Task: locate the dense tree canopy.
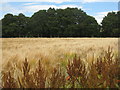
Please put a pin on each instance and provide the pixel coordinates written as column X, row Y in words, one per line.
column 14, row 26
column 69, row 22
column 110, row 24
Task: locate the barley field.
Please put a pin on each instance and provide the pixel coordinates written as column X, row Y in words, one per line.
column 53, row 48
column 59, row 62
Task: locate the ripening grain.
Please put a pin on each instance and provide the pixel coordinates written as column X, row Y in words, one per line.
column 24, row 58
column 53, row 48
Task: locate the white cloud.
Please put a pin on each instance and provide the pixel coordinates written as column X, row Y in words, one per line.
column 31, row 8
column 35, row 8
column 60, row 1
column 9, row 9
column 100, row 0
column 56, row 1
column 90, row 0
column 99, row 16
column 30, row 3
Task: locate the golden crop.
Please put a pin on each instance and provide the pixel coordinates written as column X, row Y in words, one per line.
column 49, row 62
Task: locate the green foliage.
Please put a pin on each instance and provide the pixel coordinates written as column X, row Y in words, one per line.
column 69, row 22
column 110, row 25
column 14, row 26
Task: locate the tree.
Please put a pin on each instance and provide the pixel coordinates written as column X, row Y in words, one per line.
column 69, row 22
column 7, row 25
column 110, row 25
column 13, row 26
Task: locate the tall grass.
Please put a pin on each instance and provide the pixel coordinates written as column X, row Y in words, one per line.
column 102, row 72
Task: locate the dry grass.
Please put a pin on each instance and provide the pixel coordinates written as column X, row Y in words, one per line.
column 48, row 62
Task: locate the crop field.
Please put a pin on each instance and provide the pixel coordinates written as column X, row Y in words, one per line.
column 60, row 63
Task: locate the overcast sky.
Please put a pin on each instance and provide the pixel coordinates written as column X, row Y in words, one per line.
column 96, row 8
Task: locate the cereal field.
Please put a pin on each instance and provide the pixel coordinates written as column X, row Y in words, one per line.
column 50, row 62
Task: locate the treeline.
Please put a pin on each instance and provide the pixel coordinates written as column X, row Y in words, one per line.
column 69, row 22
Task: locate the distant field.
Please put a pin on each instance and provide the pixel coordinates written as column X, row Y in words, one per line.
column 53, row 48
column 56, row 51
